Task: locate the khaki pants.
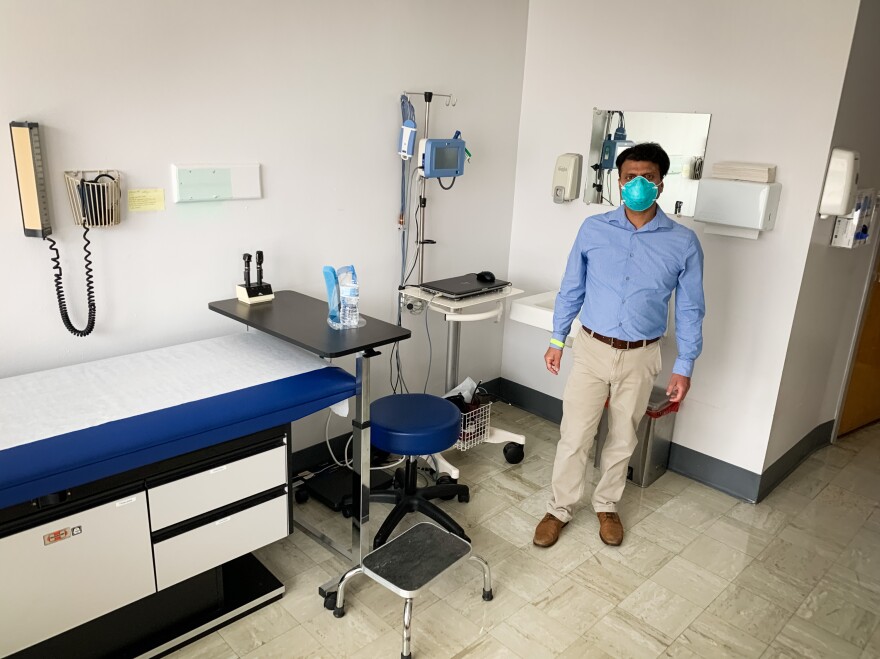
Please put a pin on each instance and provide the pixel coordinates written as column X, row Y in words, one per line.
column 600, row 372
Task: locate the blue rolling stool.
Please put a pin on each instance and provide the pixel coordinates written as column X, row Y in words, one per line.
column 412, row 425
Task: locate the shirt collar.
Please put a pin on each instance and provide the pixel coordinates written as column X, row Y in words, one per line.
column 661, row 220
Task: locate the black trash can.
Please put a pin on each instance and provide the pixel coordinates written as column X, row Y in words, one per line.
column 649, row 460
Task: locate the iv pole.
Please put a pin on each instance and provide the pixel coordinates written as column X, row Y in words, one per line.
column 453, row 335
column 423, row 202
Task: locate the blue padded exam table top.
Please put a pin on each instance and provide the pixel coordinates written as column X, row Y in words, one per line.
column 74, row 425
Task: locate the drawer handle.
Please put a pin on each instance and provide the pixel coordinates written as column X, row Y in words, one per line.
column 222, row 521
column 125, row 502
column 217, row 470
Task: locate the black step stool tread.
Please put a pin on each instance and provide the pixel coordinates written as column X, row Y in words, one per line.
column 416, row 557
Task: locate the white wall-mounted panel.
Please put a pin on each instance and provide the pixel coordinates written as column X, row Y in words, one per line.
column 215, row 182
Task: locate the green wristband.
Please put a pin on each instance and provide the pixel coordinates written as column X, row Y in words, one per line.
column 557, row 343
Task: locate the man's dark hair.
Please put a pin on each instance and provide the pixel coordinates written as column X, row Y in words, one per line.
column 645, row 152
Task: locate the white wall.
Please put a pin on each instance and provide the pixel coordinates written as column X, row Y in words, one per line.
column 770, row 74
column 834, row 279
column 308, row 89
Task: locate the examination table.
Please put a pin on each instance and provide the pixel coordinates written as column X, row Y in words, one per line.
column 133, row 489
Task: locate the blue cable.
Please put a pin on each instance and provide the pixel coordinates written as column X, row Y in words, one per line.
column 407, row 112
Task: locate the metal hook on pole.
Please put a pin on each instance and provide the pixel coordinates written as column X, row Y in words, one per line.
column 450, row 98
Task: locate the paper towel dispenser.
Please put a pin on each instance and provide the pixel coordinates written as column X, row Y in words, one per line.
column 737, row 208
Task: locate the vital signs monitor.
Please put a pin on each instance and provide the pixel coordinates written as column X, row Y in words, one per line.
column 441, row 158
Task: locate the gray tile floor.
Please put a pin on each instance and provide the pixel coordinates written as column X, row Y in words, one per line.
column 699, row 574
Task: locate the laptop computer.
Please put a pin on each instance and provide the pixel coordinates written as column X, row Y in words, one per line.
column 457, row 288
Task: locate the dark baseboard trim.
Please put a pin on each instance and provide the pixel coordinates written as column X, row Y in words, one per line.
column 777, row 472
column 530, row 400
column 730, row 479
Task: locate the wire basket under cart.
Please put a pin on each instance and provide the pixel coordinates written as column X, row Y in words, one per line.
column 474, row 426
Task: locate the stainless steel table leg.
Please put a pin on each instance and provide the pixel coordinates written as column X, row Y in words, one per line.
column 360, row 519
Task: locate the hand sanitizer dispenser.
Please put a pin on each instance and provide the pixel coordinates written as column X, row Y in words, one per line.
column 839, row 191
column 567, row 177
column 737, row 208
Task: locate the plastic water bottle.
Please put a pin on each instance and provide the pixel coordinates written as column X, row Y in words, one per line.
column 349, row 293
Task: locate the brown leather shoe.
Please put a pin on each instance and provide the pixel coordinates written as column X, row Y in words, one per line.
column 610, row 529
column 547, row 532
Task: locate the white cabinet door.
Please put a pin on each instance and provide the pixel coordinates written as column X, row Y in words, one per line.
column 67, row 572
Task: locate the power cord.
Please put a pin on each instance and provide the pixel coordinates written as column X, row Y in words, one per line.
column 440, row 183
column 90, row 285
column 348, row 462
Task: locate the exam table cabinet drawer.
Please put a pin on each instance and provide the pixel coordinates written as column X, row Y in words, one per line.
column 63, row 573
column 214, row 488
column 205, row 547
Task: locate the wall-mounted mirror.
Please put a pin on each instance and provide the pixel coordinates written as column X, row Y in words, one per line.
column 682, row 135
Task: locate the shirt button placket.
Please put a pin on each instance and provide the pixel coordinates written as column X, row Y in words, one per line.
column 626, row 279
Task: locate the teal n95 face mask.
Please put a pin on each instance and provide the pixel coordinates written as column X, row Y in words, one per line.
column 638, row 194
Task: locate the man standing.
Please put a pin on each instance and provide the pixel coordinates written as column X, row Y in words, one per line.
column 621, row 272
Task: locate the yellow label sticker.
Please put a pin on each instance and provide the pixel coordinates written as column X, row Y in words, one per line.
column 147, row 199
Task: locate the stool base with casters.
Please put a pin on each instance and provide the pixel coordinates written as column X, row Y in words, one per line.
column 411, row 562
column 411, row 499
column 412, row 425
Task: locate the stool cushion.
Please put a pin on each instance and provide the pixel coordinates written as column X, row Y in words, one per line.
column 414, row 424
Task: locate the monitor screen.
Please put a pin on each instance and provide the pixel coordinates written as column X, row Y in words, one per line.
column 446, row 157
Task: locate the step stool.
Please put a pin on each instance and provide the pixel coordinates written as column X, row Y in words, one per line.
column 410, row 562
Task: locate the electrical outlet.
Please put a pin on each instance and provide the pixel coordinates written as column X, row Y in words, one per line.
column 413, row 305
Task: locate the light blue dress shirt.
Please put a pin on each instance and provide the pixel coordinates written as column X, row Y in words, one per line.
column 620, row 280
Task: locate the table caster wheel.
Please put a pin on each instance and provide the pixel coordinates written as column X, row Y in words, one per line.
column 446, row 479
column 514, row 453
column 330, row 602
column 301, row 496
column 346, row 511
column 464, row 498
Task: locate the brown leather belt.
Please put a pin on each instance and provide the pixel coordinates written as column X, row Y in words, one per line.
column 620, row 344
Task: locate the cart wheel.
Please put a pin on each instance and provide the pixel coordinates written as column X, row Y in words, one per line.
column 346, row 511
column 514, row 453
column 330, row 601
column 464, row 498
column 301, row 495
column 446, row 479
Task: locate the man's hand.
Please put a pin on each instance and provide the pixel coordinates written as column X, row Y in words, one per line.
column 552, row 358
column 677, row 388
